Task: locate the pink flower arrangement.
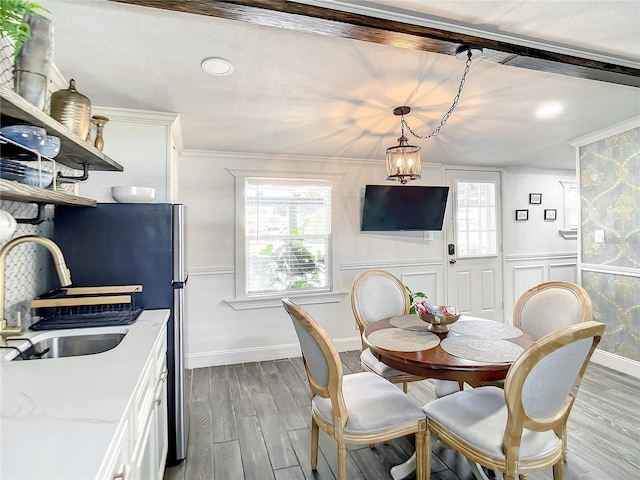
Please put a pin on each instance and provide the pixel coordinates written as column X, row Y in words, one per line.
column 425, row 308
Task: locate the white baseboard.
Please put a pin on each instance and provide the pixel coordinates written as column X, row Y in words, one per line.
column 259, row 354
column 616, row 362
column 276, row 352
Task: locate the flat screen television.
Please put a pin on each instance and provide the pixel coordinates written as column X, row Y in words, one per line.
column 388, row 208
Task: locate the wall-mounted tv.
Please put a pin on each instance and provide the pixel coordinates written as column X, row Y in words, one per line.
column 388, row 208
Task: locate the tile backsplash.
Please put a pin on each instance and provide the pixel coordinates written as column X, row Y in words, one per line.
column 28, row 266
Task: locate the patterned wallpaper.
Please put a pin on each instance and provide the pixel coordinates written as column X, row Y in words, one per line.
column 610, row 203
column 616, row 303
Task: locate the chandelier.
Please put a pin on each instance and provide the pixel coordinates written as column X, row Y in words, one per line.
column 403, row 160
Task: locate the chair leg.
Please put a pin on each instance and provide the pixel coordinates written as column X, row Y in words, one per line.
column 564, row 442
column 342, row 461
column 420, row 453
column 426, row 474
column 315, row 429
column 511, row 470
column 558, row 470
column 405, row 387
column 561, row 432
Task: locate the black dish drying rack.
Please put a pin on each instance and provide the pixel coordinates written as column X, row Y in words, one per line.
column 84, row 307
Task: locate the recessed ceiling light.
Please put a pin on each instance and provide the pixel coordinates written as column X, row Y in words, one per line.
column 217, row 66
column 549, row 110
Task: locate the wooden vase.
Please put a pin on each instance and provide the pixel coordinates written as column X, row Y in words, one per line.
column 100, row 121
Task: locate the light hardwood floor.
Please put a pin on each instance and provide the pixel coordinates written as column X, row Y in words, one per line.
column 251, row 422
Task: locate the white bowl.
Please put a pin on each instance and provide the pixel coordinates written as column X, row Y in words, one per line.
column 133, row 194
column 8, row 225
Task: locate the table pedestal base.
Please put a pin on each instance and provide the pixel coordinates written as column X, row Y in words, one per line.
column 407, row 468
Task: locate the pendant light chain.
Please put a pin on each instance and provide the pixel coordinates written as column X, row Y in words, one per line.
column 446, row 116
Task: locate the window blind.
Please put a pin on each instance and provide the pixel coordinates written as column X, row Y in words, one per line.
column 288, row 235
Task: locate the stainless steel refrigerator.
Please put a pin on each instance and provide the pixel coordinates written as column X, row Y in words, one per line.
column 137, row 243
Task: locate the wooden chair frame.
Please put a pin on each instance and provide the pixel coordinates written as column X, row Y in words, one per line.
column 518, row 419
column 580, row 293
column 333, row 391
column 401, row 377
column 586, row 315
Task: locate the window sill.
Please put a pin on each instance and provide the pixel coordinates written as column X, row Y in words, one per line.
column 271, row 301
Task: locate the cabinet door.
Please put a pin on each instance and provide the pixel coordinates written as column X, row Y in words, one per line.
column 116, row 465
column 161, row 425
column 143, row 461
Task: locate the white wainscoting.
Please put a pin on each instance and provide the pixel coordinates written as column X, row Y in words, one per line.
column 523, row 271
column 220, row 335
column 430, row 283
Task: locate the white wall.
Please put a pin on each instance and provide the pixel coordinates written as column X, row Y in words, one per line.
column 216, row 332
column 219, row 334
column 534, row 250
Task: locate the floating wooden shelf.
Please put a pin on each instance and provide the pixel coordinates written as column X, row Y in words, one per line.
column 18, row 192
column 74, row 151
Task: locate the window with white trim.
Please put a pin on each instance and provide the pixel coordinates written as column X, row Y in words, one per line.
column 287, row 236
column 571, row 206
column 571, row 211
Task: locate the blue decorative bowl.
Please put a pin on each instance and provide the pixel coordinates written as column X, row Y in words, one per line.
column 50, row 146
column 27, row 135
column 31, row 178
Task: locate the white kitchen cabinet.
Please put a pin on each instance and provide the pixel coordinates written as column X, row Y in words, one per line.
column 140, row 451
column 147, row 144
column 92, row 403
column 117, row 467
column 142, row 460
column 149, row 452
column 161, row 424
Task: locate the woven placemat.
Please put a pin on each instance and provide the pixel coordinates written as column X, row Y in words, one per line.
column 409, row 322
column 481, row 350
column 403, row 340
column 487, row 329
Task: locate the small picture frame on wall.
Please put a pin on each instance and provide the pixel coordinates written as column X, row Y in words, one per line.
column 535, row 199
column 550, row 214
column 522, row 215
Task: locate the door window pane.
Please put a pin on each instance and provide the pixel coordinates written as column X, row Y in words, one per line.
column 476, row 214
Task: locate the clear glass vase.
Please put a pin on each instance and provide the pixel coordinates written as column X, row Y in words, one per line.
column 34, row 61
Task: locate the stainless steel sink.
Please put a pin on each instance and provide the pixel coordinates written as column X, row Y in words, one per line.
column 65, row 345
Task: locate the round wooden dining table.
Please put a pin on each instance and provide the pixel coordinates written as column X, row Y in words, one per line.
column 437, row 363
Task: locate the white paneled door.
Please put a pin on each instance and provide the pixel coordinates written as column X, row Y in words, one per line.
column 473, row 243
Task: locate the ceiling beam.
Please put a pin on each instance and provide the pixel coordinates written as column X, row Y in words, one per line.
column 325, row 21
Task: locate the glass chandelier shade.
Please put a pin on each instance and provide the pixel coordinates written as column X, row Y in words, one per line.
column 403, row 162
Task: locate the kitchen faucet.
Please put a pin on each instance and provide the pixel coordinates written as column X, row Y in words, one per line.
column 61, row 267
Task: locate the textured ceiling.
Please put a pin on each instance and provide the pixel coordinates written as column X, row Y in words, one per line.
column 305, row 94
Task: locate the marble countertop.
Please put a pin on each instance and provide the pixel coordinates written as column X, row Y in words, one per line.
column 59, row 416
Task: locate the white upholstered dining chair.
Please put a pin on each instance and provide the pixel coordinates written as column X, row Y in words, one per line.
column 359, row 408
column 549, row 306
column 519, row 430
column 376, row 294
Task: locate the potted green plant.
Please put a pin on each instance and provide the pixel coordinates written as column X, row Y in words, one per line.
column 413, row 296
column 13, row 24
